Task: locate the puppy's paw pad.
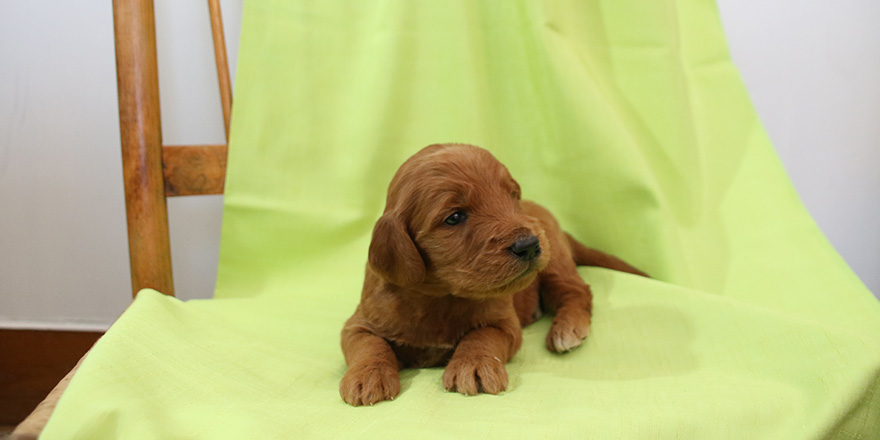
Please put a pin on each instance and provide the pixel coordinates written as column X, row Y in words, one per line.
column 368, row 385
column 472, row 376
column 567, row 333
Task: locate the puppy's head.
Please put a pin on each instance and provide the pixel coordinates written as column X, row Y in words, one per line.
column 453, row 224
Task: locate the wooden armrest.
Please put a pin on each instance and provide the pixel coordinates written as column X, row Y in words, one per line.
column 33, row 425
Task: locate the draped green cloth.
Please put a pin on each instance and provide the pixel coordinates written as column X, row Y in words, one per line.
column 625, row 118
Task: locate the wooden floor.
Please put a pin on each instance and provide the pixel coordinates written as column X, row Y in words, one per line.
column 31, row 363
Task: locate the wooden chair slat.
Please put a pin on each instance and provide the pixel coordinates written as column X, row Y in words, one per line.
column 194, row 170
column 150, row 171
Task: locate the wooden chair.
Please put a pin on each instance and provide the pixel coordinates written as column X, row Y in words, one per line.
column 151, row 171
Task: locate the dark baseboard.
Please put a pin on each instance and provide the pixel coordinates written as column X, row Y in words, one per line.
column 31, row 364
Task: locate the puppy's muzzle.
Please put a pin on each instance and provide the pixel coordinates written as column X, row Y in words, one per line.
column 526, row 249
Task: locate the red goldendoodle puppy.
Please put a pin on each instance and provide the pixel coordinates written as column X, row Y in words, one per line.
column 457, row 265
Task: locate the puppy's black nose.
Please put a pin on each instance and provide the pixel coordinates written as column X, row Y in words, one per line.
column 527, row 248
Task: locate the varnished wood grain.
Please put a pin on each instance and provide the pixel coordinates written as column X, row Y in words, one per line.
column 222, row 63
column 150, row 171
column 141, row 135
column 194, row 170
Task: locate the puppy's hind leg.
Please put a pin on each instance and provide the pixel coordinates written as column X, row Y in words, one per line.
column 564, row 293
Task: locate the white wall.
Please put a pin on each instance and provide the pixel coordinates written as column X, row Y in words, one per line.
column 63, row 242
column 813, row 71
column 811, row 68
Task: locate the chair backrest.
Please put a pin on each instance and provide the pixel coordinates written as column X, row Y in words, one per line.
column 153, row 171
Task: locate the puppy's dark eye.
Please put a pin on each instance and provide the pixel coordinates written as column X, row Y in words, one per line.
column 456, row 218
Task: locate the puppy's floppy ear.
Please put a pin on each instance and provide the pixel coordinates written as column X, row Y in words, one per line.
column 393, row 254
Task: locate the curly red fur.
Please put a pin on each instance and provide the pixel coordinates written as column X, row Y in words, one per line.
column 458, row 294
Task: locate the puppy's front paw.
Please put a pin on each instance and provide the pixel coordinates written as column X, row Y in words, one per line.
column 569, row 329
column 369, row 384
column 472, row 376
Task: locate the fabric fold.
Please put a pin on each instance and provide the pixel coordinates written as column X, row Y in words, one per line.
column 626, row 119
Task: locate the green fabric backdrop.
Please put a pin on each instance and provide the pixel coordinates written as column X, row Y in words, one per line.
column 626, row 118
